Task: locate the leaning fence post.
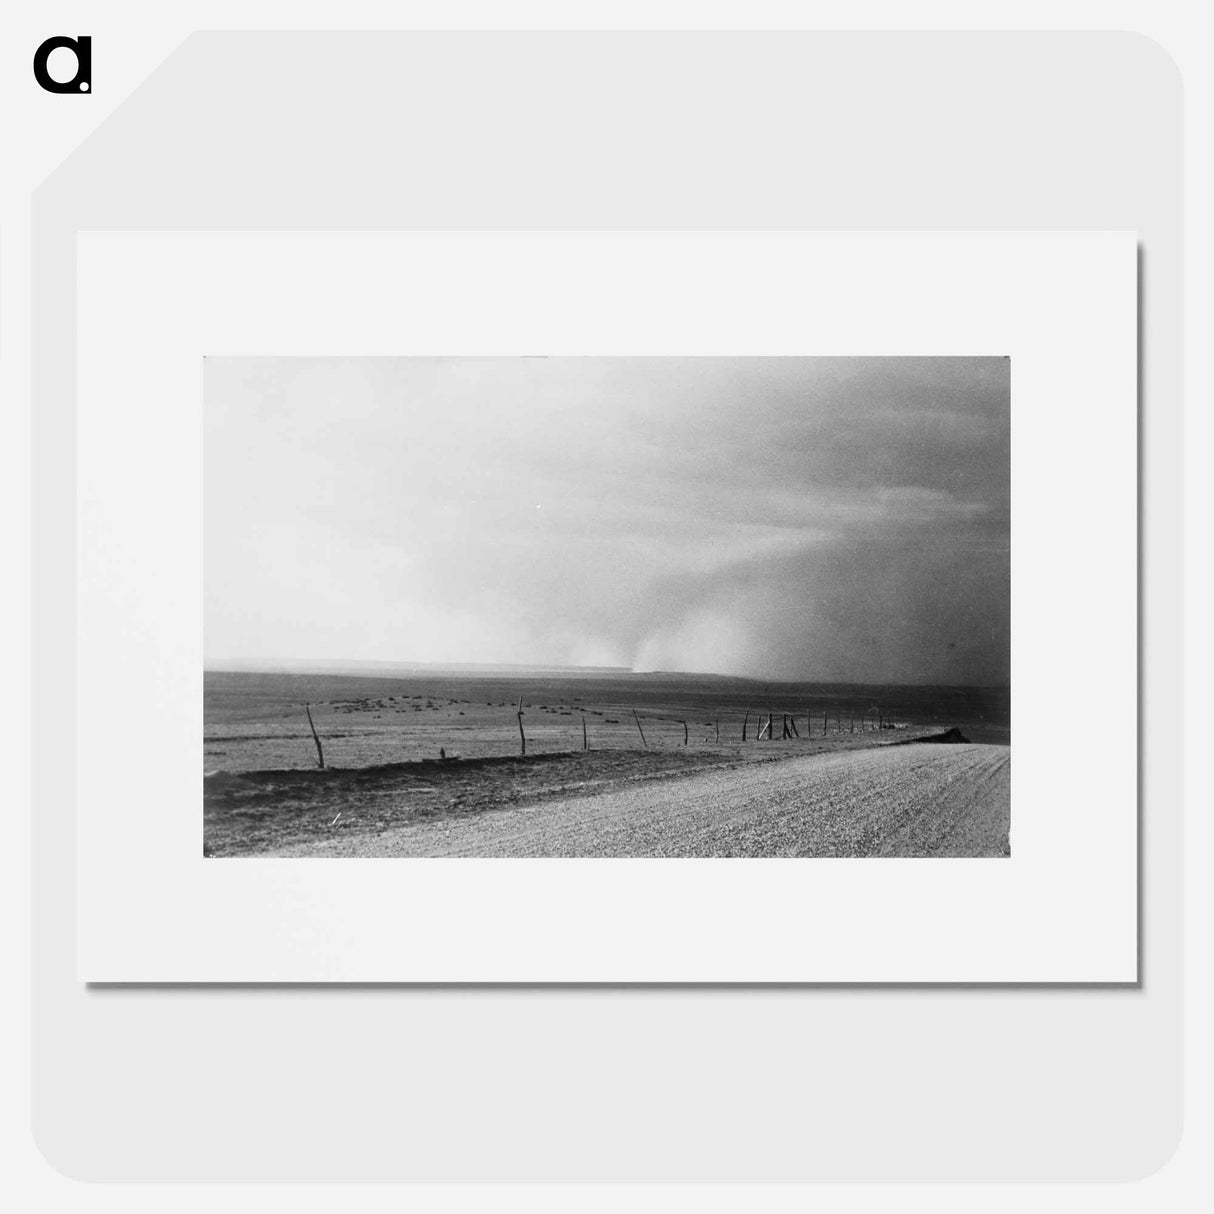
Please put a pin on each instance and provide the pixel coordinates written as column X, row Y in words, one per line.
column 639, row 729
column 320, row 754
column 684, row 724
column 521, row 734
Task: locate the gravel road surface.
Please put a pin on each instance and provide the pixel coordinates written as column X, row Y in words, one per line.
column 910, row 800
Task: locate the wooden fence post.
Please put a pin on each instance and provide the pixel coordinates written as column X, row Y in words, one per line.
column 521, row 734
column 584, row 745
column 684, row 724
column 745, row 722
column 320, row 754
column 639, row 729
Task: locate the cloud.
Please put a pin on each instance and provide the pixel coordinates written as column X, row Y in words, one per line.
column 704, row 639
column 775, row 517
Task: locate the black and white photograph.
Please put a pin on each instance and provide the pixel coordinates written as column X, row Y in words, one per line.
column 636, row 607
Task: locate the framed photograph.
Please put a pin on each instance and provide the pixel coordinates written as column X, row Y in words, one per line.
column 607, row 607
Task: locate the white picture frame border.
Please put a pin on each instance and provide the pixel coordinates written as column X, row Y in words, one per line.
column 1062, row 306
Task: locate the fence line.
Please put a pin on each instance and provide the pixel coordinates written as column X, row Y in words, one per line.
column 873, row 716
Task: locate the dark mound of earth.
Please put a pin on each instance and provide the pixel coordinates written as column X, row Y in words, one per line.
column 948, row 737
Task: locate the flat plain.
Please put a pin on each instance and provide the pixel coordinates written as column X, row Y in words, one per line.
column 429, row 763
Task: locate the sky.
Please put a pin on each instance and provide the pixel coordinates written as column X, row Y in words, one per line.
column 832, row 519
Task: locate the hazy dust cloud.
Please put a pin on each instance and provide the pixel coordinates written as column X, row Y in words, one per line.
column 785, row 518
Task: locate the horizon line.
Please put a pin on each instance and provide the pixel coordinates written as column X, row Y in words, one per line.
column 335, row 665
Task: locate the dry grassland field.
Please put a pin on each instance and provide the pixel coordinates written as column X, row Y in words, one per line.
column 429, row 762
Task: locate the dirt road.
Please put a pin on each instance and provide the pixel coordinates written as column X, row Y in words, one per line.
column 912, row 800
